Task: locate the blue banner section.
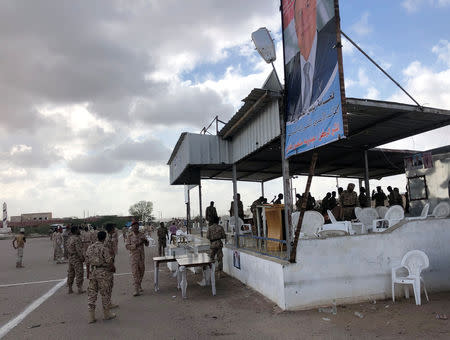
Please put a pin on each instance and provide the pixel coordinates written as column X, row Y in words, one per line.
column 322, row 124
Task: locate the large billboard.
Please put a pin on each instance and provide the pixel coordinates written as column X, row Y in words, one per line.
column 313, row 74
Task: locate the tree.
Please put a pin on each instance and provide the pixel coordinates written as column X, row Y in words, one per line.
column 142, row 210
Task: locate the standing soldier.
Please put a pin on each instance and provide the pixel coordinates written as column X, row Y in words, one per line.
column 86, row 241
column 211, row 212
column 215, row 234
column 162, row 237
column 65, row 235
column 76, row 259
column 135, row 244
column 348, row 200
column 102, row 266
column 93, row 233
column 58, row 244
column 19, row 243
column 124, row 233
column 110, row 244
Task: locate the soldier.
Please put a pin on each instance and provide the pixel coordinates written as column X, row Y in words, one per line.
column 58, row 245
column 298, row 202
column 135, row 244
column 124, row 233
column 362, row 198
column 379, row 197
column 348, row 200
column 110, row 244
column 279, row 199
column 102, row 269
column 65, row 236
column 210, row 213
column 215, row 234
column 86, row 241
column 326, row 203
column 162, row 237
column 240, row 207
column 94, row 234
column 255, row 213
column 19, row 243
column 76, row 259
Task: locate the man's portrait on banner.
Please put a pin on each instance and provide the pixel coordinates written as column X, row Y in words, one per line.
column 310, row 70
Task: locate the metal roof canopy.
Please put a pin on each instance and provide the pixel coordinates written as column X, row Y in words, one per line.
column 371, row 123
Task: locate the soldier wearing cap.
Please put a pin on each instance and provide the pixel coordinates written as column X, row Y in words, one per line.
column 18, row 243
column 215, row 234
column 102, row 269
column 135, row 244
column 76, row 259
column 348, row 200
column 58, row 245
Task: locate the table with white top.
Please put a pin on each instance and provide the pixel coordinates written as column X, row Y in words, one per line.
column 196, row 260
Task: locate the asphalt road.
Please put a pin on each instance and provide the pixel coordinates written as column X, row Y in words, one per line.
column 236, row 312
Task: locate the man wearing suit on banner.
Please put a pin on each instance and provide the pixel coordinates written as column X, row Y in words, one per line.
column 310, row 71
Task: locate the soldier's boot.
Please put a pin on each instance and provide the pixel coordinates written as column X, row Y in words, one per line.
column 92, row 318
column 113, row 305
column 140, row 289
column 81, row 290
column 108, row 315
column 70, row 291
column 17, row 265
column 137, row 292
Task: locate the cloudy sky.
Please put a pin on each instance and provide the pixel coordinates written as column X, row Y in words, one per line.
column 96, row 93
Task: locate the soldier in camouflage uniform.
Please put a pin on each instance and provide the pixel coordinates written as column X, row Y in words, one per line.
column 58, row 245
column 86, row 240
column 135, row 244
column 215, row 234
column 348, row 200
column 110, row 244
column 102, row 269
column 162, row 238
column 76, row 259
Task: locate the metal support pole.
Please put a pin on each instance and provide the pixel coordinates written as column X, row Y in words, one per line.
column 188, row 212
column 286, row 186
column 312, row 168
column 366, row 177
column 235, row 207
column 200, row 207
column 262, row 189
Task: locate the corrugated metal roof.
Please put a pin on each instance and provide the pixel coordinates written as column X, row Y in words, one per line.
column 253, row 103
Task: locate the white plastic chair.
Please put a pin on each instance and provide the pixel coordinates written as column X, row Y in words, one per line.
column 382, row 210
column 311, row 221
column 414, row 262
column 441, row 210
column 335, row 228
column 423, row 214
column 394, row 215
column 367, row 216
column 358, row 212
column 244, row 228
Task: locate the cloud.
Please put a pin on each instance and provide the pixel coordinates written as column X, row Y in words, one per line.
column 442, row 50
column 362, row 27
column 415, row 5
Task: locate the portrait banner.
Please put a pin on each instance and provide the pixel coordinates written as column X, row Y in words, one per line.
column 313, row 74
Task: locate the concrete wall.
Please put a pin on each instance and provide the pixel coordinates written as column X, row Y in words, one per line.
column 263, row 274
column 347, row 269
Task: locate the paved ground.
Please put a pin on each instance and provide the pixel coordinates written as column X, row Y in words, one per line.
column 237, row 312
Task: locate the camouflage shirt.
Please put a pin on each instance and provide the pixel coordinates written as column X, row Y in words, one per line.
column 98, row 255
column 215, row 232
column 75, row 247
column 349, row 199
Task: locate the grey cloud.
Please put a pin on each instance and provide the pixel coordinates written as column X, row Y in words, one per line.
column 190, row 105
column 150, row 150
column 97, row 164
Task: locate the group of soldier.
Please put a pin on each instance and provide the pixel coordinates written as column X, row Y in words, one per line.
column 98, row 249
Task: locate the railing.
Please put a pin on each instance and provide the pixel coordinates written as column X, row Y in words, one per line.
column 264, row 245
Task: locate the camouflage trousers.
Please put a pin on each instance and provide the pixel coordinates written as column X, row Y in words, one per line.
column 75, row 270
column 137, row 269
column 161, row 246
column 100, row 282
column 57, row 253
column 19, row 256
column 216, row 251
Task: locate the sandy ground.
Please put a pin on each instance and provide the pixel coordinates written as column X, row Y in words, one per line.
column 236, row 312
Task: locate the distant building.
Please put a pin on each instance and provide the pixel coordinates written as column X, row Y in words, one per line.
column 32, row 217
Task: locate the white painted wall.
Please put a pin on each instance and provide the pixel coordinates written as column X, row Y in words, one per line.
column 259, row 272
column 348, row 269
